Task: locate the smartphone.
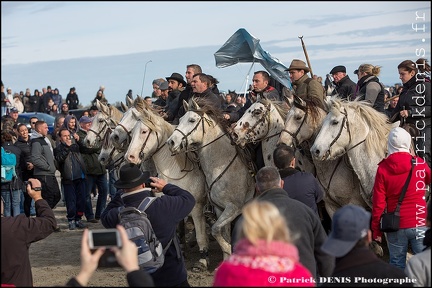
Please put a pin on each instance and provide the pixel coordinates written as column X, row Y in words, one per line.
column 104, row 238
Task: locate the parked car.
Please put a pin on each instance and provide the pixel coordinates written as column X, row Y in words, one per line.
column 25, row 119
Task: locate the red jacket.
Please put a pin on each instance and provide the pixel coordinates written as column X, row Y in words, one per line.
column 267, row 265
column 390, row 178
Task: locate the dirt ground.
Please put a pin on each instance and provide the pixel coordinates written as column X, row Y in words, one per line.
column 56, row 259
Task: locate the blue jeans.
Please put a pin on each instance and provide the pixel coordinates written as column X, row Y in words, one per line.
column 112, row 178
column 74, row 196
column 102, row 185
column 397, row 243
column 15, row 208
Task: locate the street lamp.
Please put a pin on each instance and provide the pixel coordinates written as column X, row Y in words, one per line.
column 145, row 70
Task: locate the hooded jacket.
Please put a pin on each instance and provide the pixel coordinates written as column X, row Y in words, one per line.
column 42, row 155
column 390, row 177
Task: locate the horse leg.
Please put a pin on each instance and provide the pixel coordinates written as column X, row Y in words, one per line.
column 201, row 237
column 223, row 222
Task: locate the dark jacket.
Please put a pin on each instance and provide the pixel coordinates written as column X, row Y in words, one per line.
column 179, row 110
column 345, row 88
column 417, row 104
column 90, row 156
column 42, row 157
column 70, row 162
column 34, row 102
column 164, row 214
column 302, row 186
column 17, row 233
column 16, row 183
column 72, row 100
column 304, row 222
column 25, row 147
column 370, row 89
column 171, row 104
column 362, row 262
column 269, row 93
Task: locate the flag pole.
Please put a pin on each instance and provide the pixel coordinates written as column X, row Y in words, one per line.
column 306, row 55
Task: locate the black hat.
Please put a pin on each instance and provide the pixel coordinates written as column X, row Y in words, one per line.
column 178, row 77
column 356, row 71
column 337, row 69
column 131, row 176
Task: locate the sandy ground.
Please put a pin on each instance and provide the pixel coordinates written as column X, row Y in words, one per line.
column 56, row 259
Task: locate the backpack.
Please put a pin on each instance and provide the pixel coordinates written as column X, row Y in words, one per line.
column 8, row 163
column 151, row 255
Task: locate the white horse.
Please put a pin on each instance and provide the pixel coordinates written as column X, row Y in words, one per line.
column 107, row 118
column 148, row 137
column 337, row 178
column 262, row 122
column 357, row 131
column 228, row 178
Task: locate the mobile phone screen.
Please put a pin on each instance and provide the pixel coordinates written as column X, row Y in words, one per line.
column 105, row 239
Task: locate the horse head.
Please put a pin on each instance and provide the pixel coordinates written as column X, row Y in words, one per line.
column 192, row 131
column 302, row 122
column 254, row 125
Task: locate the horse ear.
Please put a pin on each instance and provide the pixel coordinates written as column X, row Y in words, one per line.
column 195, row 105
column 185, row 105
column 129, row 101
column 102, row 107
column 123, row 106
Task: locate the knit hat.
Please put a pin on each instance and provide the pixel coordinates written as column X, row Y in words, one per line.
column 399, row 140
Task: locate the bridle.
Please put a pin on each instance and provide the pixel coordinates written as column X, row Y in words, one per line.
column 250, row 131
column 209, row 122
column 294, row 135
column 102, row 130
column 141, row 153
column 345, row 120
column 202, row 121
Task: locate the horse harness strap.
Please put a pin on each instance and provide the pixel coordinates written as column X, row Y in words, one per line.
column 294, row 135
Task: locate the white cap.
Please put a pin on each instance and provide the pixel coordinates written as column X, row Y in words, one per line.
column 399, row 140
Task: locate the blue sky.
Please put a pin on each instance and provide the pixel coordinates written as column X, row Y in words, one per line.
column 174, row 34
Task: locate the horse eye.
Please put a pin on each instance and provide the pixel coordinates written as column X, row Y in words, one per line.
column 298, row 117
column 143, row 131
column 334, row 122
column 192, row 120
column 256, row 113
column 101, row 120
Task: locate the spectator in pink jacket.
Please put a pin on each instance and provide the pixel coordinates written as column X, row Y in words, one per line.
column 265, row 255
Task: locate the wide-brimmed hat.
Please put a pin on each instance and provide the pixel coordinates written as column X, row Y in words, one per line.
column 131, row 176
column 178, row 77
column 297, row 64
column 350, row 224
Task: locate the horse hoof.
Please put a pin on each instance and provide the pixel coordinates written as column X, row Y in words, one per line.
column 200, row 266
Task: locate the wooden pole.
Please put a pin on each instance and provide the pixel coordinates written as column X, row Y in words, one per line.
column 306, row 55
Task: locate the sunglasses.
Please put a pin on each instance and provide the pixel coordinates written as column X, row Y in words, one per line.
column 33, row 122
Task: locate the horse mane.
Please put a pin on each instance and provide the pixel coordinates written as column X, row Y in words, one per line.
column 376, row 139
column 311, row 105
column 152, row 120
column 116, row 114
column 208, row 107
column 281, row 107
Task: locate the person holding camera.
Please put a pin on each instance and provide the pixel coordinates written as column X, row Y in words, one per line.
column 126, row 255
column 72, row 168
column 17, row 233
column 164, row 214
